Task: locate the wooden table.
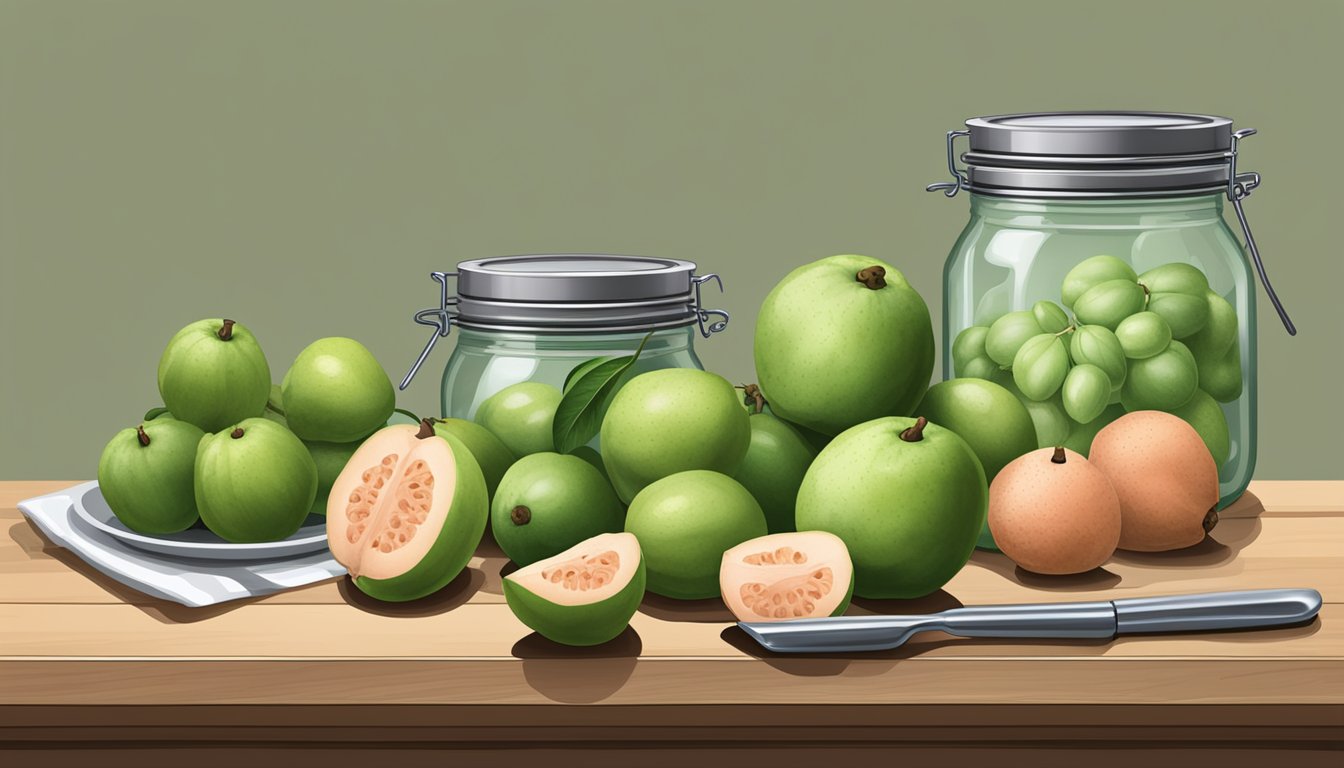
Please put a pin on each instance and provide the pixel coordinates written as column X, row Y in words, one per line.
column 86, row 663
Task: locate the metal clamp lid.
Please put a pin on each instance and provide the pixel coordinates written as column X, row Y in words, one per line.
column 569, row 293
column 1097, row 175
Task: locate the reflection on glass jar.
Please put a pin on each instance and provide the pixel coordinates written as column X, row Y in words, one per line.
column 1106, row 232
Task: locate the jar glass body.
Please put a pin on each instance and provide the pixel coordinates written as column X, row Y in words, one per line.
column 1015, row 251
column 485, row 361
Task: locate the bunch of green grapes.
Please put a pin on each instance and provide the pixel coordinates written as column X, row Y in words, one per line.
column 1162, row 340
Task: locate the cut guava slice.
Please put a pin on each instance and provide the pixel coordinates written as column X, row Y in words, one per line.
column 584, row 595
column 406, row 514
column 787, row 576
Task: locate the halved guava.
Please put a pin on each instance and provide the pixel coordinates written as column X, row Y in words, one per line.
column 787, row 576
column 407, row 512
column 584, row 595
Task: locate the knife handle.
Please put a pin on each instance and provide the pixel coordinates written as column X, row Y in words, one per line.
column 1094, row 619
column 1216, row 610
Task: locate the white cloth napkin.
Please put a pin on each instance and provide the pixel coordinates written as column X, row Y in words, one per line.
column 190, row 581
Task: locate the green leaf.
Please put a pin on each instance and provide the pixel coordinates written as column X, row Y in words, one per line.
column 581, row 369
column 579, row 415
column 154, row 413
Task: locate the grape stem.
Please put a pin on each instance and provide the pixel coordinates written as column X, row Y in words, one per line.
column 1070, row 328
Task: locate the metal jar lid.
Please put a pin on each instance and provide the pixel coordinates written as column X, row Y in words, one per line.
column 1106, row 155
column 1096, row 154
column 570, row 293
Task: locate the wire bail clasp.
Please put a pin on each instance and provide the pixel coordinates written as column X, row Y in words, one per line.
column 440, row 319
column 703, row 315
column 1239, row 187
column 959, row 180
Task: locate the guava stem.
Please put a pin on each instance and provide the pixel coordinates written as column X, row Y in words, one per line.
column 872, row 277
column 1211, row 519
column 753, row 395
column 915, row 433
column 141, row 436
column 236, row 433
column 426, row 428
column 1059, row 457
column 226, row 331
column 520, row 515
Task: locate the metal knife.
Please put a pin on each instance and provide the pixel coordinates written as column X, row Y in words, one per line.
column 1251, row 609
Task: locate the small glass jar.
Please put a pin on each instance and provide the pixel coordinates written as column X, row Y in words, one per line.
column 535, row 317
column 1051, row 190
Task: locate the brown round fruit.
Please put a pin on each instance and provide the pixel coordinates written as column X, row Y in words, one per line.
column 1165, row 478
column 1053, row 512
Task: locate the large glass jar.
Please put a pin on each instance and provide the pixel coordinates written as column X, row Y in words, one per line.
column 1134, row 198
column 534, row 318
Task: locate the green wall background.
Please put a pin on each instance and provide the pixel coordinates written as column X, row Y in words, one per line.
column 301, row 166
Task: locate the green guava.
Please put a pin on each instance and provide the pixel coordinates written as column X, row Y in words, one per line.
column 841, row 341
column 590, row 455
column 684, row 523
column 547, row 503
column 908, row 498
column 777, row 458
column 490, row 453
column 145, row 475
column 411, row 513
column 991, row 420
column 254, row 481
column 521, row 416
column 585, row 595
column 670, row 421
column 214, row 374
column 336, row 392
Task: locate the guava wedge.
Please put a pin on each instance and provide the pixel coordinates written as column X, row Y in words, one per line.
column 584, row 595
column 407, row 512
column 787, row 576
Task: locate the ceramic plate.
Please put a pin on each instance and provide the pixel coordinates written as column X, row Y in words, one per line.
column 198, row 541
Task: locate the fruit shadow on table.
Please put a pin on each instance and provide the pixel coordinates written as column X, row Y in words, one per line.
column 456, row 593
column 578, row 675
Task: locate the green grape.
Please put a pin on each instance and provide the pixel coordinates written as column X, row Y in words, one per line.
column 1091, row 272
column 1219, row 333
column 1177, row 293
column 980, row 368
column 1040, row 366
column 1049, row 316
column 1185, row 315
column 1108, row 303
column 1048, row 417
column 1143, row 335
column 969, row 344
column 1177, row 277
column 1081, row 436
column 1206, row 416
column 1007, row 335
column 1162, row 382
column 1221, row 378
column 1085, row 392
column 1097, row 345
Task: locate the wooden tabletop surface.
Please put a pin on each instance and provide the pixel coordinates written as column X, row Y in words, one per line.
column 94, row 653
